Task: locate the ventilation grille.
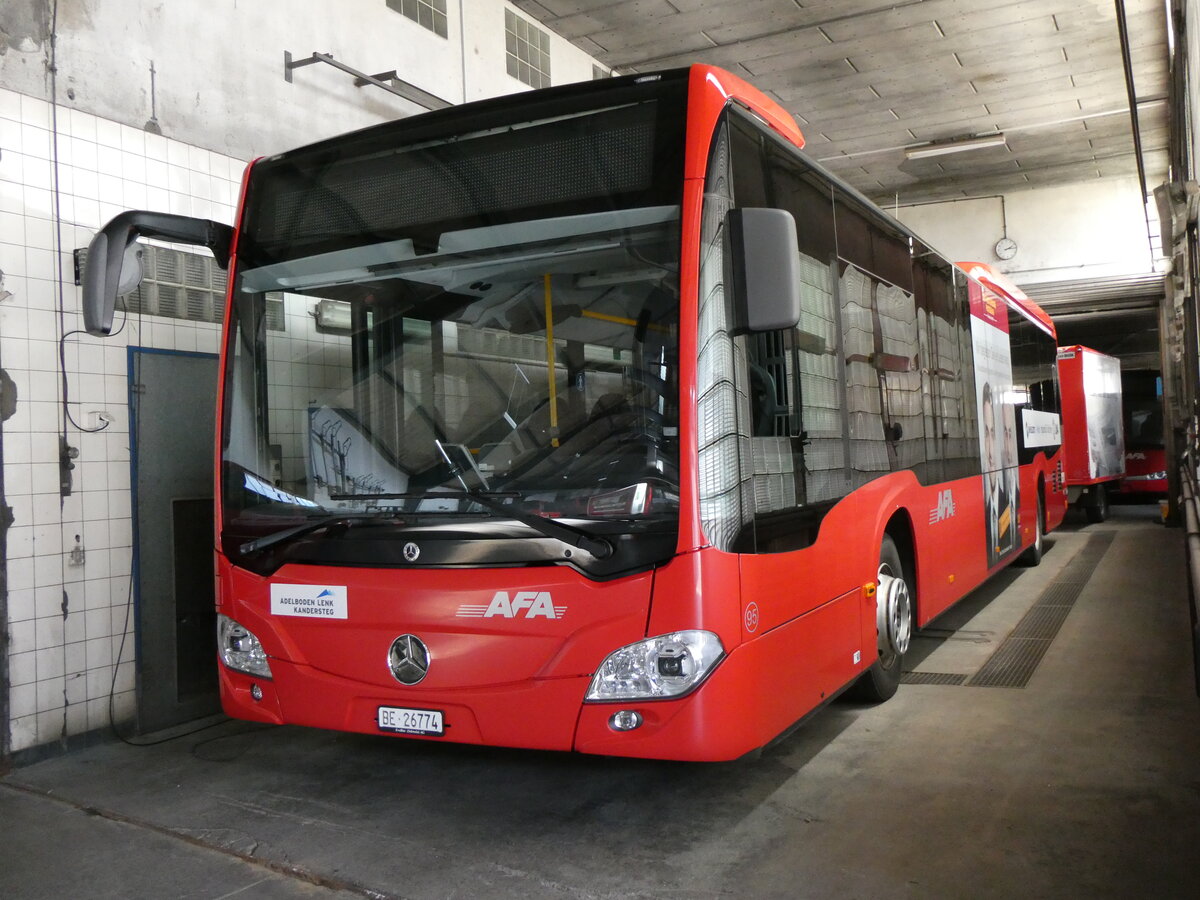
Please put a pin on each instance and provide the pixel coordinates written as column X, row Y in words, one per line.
column 177, row 284
column 932, row 678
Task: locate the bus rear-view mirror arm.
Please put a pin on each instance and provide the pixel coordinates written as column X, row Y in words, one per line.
column 765, row 267
column 108, row 269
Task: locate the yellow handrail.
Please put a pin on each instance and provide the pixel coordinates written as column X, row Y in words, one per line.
column 550, row 361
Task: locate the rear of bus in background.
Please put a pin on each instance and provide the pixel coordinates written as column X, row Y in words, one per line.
column 1093, row 434
column 1145, row 441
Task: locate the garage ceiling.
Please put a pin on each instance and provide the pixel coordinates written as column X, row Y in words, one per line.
column 867, row 78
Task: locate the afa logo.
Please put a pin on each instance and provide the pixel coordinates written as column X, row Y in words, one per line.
column 524, row 604
column 944, row 509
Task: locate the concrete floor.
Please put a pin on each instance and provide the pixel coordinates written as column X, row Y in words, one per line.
column 1084, row 783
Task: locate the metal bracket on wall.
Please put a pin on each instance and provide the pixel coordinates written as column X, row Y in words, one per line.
column 386, row 80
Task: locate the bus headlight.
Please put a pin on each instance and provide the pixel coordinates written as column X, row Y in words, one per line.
column 669, row 665
column 240, row 649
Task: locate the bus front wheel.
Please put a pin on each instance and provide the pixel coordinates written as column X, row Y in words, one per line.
column 893, row 624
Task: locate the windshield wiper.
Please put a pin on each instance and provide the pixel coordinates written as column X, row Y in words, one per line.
column 278, row 537
column 572, row 535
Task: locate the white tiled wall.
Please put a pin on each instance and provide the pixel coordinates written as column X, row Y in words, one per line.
column 70, row 624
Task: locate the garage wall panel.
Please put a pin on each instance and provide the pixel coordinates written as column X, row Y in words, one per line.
column 67, row 609
column 157, row 106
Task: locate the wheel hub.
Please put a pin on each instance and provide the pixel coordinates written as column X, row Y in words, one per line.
column 893, row 613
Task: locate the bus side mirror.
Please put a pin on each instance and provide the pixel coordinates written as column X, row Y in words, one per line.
column 765, row 267
column 112, row 269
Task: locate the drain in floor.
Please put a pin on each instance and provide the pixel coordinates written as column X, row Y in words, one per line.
column 1017, row 658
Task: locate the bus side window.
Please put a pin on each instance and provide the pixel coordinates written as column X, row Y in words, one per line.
column 941, row 362
column 882, row 348
column 816, row 377
column 797, row 377
column 768, row 368
column 1034, row 366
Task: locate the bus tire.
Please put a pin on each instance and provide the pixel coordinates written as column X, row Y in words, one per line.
column 1033, row 554
column 894, row 623
column 1096, row 506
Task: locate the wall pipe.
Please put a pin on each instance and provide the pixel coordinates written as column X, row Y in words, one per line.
column 1131, row 91
column 1192, row 518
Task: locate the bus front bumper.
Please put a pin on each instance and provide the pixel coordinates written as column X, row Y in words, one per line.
column 726, row 717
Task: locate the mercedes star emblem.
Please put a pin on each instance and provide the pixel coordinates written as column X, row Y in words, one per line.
column 411, row 551
column 408, row 659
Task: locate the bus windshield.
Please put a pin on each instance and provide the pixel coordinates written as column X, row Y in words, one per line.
column 441, row 328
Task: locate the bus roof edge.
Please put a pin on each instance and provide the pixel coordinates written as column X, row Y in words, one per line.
column 1000, row 283
column 736, row 88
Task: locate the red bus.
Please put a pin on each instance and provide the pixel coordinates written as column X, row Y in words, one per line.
column 598, row 418
column 1093, row 437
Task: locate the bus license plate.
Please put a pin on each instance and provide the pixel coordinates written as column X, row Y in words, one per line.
column 410, row 721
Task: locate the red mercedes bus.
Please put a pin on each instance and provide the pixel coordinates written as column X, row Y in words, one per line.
column 598, row 418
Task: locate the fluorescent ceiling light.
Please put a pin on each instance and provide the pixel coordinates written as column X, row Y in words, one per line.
column 941, row 148
column 333, row 315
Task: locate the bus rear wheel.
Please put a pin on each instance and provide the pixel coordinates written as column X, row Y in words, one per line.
column 1033, row 555
column 893, row 624
column 1096, row 505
